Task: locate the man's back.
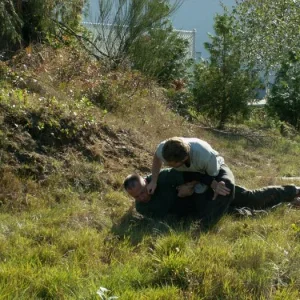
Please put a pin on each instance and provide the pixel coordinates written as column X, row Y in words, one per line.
column 165, row 196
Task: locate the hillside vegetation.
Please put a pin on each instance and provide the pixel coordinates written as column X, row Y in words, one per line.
column 70, row 132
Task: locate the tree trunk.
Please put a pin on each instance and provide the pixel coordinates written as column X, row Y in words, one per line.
column 18, row 6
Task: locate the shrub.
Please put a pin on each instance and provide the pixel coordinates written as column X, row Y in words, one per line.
column 284, row 100
column 161, row 54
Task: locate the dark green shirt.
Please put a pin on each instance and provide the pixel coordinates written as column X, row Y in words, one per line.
column 165, row 195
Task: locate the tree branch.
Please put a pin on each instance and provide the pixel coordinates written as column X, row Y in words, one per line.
column 81, row 38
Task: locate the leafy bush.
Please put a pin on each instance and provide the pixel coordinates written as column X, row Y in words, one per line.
column 284, row 100
column 180, row 101
column 161, row 54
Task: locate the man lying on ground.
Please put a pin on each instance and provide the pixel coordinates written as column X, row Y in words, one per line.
column 165, row 199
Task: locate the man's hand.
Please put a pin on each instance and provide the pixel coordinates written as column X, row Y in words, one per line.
column 185, row 190
column 151, row 187
column 219, row 189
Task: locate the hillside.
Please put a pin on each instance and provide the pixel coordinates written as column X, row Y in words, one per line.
column 70, row 132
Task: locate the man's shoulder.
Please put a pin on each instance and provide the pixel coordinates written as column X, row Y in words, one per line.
column 200, row 148
column 164, row 174
column 168, row 172
column 169, row 175
column 195, row 142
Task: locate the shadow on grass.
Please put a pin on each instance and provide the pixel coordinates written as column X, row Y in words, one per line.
column 135, row 227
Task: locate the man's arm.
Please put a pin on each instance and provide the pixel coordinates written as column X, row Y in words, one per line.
column 186, row 189
column 156, row 166
column 192, row 178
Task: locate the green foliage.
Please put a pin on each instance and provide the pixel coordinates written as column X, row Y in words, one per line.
column 268, row 31
column 223, row 86
column 130, row 21
column 25, row 22
column 10, row 24
column 161, row 54
column 48, row 121
column 180, row 100
column 284, row 99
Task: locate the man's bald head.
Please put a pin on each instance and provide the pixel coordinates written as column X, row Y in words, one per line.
column 131, row 181
column 135, row 185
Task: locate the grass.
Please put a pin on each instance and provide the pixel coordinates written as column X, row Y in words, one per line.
column 59, row 255
column 68, row 138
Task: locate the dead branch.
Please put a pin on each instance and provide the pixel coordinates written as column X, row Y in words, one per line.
column 253, row 136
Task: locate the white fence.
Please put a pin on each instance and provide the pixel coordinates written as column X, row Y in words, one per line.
column 189, row 35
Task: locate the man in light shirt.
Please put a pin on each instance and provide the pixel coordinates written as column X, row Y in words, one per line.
column 195, row 155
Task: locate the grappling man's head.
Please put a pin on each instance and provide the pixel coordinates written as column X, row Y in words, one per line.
column 135, row 185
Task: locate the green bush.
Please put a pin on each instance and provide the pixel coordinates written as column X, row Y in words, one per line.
column 161, row 54
column 284, row 100
column 180, row 101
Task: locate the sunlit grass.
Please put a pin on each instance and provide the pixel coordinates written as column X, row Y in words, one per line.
column 67, row 227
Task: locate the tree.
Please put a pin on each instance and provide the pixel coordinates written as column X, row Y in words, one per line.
column 223, row 86
column 129, row 21
column 162, row 54
column 10, row 24
column 24, row 22
column 268, row 31
column 284, row 99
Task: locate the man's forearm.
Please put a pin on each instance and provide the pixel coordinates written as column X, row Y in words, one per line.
column 192, row 183
column 186, row 189
column 156, row 166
